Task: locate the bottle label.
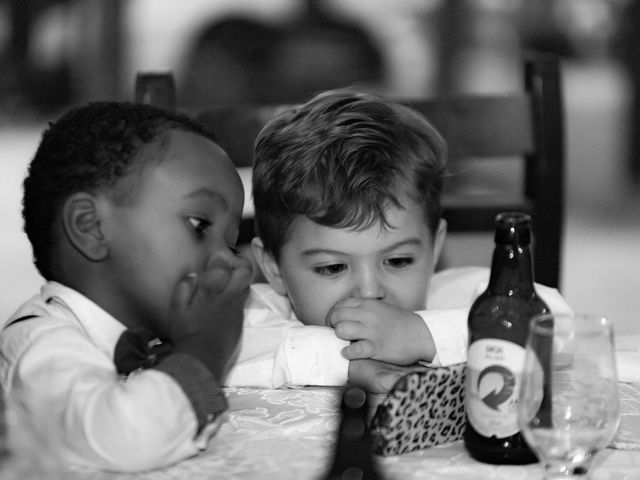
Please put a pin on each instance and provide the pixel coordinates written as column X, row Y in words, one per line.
column 494, row 372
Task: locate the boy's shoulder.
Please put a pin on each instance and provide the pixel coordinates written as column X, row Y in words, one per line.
column 57, row 307
column 34, row 308
column 459, row 287
column 33, row 319
column 264, row 299
column 456, row 287
column 52, row 299
column 461, row 275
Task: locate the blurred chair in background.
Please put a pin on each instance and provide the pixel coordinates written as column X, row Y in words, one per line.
column 239, row 59
column 626, row 46
column 320, row 51
column 229, row 62
column 525, row 127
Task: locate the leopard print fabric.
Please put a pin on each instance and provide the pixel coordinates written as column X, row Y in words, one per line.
column 423, row 409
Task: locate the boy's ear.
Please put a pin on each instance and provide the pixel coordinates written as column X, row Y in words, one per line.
column 269, row 266
column 438, row 240
column 81, row 223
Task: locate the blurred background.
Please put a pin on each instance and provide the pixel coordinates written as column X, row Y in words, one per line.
column 58, row 53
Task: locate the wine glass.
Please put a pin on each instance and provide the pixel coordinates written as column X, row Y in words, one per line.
column 569, row 408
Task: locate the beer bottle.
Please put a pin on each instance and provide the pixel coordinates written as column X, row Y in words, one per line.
column 498, row 327
column 353, row 458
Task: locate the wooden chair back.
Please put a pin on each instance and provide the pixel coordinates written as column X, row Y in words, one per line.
column 524, row 128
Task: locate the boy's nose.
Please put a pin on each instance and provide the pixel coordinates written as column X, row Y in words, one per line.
column 369, row 285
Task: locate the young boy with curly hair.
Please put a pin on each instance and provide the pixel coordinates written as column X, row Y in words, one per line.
column 347, row 192
column 133, row 214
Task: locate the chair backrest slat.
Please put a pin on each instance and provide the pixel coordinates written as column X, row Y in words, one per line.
column 481, row 126
column 526, row 126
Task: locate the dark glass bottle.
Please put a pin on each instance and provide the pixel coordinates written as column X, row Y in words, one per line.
column 498, row 327
column 353, row 458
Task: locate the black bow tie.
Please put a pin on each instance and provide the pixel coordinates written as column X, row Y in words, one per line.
column 134, row 351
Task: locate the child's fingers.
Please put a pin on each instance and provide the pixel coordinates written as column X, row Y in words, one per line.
column 352, row 302
column 215, row 279
column 348, row 330
column 227, row 275
column 342, row 310
column 387, row 379
column 185, row 289
column 183, row 294
column 341, row 314
column 416, row 368
column 358, row 350
column 241, row 275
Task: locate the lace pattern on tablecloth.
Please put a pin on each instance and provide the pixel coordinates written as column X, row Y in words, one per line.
column 288, row 434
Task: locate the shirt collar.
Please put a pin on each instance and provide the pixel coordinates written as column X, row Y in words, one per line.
column 103, row 329
column 264, row 294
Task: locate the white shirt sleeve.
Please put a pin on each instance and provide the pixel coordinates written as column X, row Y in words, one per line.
column 448, row 328
column 70, row 389
column 448, row 303
column 289, row 355
column 311, row 356
column 277, row 350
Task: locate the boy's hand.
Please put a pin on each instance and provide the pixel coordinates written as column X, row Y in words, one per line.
column 207, row 312
column 375, row 376
column 380, row 331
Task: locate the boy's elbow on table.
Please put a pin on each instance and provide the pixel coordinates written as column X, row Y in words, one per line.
column 121, row 429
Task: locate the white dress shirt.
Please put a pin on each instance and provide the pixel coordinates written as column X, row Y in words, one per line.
column 278, row 350
column 58, row 365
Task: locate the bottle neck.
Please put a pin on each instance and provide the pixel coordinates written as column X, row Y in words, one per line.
column 512, row 271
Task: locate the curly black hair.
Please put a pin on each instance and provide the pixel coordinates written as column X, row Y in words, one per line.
column 89, row 148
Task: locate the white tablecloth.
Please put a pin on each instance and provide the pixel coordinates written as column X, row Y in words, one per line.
column 287, row 434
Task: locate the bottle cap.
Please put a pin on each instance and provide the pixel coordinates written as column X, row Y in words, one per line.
column 513, row 228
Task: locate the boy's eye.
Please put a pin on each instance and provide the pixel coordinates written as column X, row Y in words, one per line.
column 399, row 262
column 199, row 226
column 330, row 270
